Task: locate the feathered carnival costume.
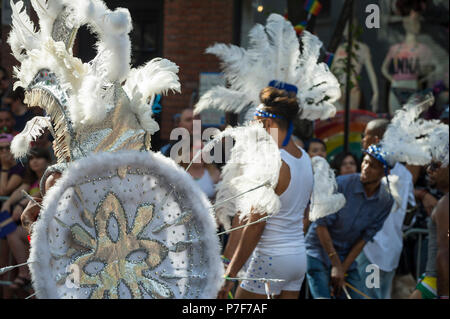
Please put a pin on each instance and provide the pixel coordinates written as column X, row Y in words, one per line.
column 122, row 221
column 411, row 140
column 273, row 59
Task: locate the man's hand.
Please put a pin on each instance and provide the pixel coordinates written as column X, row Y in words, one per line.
column 337, row 279
column 30, row 214
column 225, row 290
column 7, row 160
column 6, row 206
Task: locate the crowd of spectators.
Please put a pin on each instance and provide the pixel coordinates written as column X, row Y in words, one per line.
column 16, row 177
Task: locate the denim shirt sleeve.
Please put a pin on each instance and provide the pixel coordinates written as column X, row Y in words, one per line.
column 373, row 229
column 327, row 220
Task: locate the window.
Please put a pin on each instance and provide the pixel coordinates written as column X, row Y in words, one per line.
column 146, row 36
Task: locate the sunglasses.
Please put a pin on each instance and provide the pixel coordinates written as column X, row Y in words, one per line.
column 3, row 148
column 434, row 166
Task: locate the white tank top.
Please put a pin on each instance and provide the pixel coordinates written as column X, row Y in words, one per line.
column 206, row 184
column 283, row 234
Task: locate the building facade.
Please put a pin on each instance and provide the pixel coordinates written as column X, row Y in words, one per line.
column 181, row 30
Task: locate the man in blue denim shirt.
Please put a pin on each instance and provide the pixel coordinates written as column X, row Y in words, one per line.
column 333, row 242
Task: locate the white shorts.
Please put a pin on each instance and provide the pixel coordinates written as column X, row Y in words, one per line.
column 290, row 268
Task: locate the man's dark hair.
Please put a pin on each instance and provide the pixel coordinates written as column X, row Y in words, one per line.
column 378, row 127
column 314, row 140
column 339, row 159
column 281, row 103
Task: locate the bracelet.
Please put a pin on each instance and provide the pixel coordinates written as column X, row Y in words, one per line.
column 5, row 170
column 225, row 260
column 332, row 254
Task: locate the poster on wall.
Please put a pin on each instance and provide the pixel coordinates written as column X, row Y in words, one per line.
column 208, row 80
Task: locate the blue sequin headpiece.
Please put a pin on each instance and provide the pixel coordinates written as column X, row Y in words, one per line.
column 261, row 113
column 284, row 86
column 376, row 152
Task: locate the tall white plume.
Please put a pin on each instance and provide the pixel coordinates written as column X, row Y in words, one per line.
column 33, row 130
column 413, row 140
column 23, row 35
column 87, row 82
column 158, row 76
column 47, row 12
column 273, row 54
column 325, row 199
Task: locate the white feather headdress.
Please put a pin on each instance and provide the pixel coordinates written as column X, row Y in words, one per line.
column 85, row 96
column 413, row 140
column 274, row 55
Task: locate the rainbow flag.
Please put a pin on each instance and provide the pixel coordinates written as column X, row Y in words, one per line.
column 313, row 7
column 329, row 59
column 300, row 27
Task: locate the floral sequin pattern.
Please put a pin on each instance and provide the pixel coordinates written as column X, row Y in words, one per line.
column 114, row 264
column 126, row 231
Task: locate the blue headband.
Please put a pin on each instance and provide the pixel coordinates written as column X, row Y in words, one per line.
column 259, row 112
column 284, row 86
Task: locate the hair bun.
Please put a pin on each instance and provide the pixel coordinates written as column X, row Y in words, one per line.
column 280, row 102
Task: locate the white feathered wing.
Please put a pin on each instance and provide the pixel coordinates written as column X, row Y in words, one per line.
column 325, row 199
column 254, row 160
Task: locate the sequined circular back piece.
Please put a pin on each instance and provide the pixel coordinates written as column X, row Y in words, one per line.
column 125, row 225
